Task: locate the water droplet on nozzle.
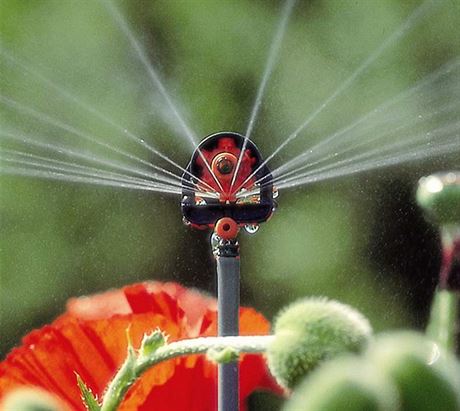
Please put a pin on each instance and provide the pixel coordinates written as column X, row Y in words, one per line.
column 251, row 228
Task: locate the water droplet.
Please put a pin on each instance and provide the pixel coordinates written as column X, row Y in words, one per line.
column 433, row 184
column 251, row 228
column 452, row 178
column 214, row 241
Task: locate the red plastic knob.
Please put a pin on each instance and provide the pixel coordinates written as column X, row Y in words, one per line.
column 226, row 228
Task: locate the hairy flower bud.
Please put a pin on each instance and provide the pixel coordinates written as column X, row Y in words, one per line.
column 427, row 378
column 347, row 384
column 151, row 342
column 311, row 331
column 31, row 399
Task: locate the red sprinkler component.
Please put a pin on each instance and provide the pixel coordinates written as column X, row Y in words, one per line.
column 223, row 160
column 226, row 228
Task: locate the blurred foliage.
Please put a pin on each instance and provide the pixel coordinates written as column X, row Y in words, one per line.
column 359, row 239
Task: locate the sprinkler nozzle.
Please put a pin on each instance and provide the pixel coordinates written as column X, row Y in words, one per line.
column 223, row 165
column 226, row 228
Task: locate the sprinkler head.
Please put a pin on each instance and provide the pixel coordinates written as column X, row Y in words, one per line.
column 439, row 195
column 212, row 192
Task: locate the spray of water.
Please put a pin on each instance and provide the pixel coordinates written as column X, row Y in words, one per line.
column 70, row 171
column 443, row 140
column 26, row 164
column 29, row 160
column 373, row 164
column 154, row 76
column 397, row 154
column 44, row 118
column 157, row 82
column 128, row 172
column 369, row 142
column 434, row 90
column 269, row 66
column 54, row 175
column 71, row 97
column 414, row 18
column 388, row 123
column 327, row 155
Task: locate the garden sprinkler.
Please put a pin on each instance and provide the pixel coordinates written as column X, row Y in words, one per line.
column 237, row 203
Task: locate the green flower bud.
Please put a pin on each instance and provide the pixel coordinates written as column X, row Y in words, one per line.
column 151, row 342
column 346, row 384
column 439, row 195
column 30, row 399
column 311, row 331
column 427, row 378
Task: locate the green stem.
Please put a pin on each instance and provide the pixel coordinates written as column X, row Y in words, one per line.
column 134, row 367
column 443, row 323
column 442, row 326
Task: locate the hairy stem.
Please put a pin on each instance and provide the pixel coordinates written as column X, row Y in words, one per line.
column 134, row 366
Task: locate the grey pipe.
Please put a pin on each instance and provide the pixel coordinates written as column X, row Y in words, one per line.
column 228, row 297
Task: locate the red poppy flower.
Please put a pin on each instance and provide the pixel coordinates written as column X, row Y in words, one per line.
column 90, row 339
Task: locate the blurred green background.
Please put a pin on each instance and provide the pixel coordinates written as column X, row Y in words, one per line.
column 360, row 239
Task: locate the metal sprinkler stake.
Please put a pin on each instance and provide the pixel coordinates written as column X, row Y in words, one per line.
column 213, row 198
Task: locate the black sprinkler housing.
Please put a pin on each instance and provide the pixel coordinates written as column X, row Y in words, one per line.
column 219, row 150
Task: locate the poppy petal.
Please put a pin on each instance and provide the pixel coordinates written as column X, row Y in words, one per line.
column 90, row 339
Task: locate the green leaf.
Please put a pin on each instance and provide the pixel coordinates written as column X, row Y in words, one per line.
column 88, row 398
